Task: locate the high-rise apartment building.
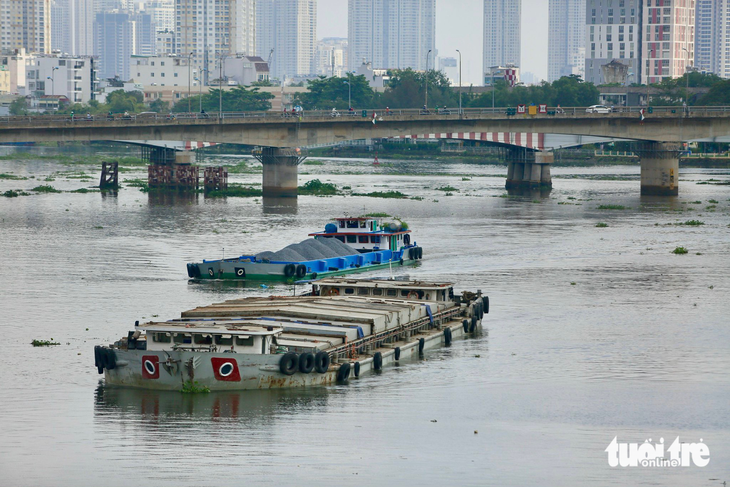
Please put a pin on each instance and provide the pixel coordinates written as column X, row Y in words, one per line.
column 613, row 33
column 501, row 33
column 667, row 38
column 25, row 24
column 391, row 34
column 289, row 28
column 331, row 57
column 163, row 14
column 712, row 36
column 118, row 35
column 566, row 38
column 653, row 39
column 210, row 29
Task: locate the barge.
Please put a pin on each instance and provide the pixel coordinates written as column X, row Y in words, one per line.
column 346, row 246
column 342, row 329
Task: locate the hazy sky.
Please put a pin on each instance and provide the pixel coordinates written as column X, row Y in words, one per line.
column 459, row 26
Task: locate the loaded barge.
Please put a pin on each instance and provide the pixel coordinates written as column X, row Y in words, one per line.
column 342, row 329
column 349, row 245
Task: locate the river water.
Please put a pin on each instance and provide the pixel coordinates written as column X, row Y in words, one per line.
column 594, row 333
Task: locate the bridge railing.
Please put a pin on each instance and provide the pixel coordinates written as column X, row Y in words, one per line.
column 359, row 114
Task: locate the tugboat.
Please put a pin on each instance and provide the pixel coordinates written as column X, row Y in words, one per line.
column 342, row 329
column 346, row 246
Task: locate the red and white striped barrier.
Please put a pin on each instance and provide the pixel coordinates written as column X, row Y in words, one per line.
column 192, row 145
column 531, row 140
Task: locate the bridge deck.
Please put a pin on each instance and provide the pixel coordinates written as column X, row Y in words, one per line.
column 277, row 129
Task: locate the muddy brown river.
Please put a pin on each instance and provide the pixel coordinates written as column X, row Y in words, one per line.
column 594, row 332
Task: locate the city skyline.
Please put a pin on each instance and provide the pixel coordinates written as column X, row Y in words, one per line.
column 459, row 26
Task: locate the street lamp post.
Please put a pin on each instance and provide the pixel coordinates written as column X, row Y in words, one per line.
column 51, row 78
column 190, row 56
column 687, row 70
column 349, row 93
column 200, row 89
column 428, row 54
column 220, row 86
column 459, row 81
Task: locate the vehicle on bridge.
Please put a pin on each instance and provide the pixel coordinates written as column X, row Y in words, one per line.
column 347, row 246
column 598, row 109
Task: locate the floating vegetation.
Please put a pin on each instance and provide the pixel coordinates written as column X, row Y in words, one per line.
column 695, row 202
column 236, row 191
column 692, row 223
column 315, row 187
column 613, row 207
column 46, row 189
column 417, row 198
column 447, row 189
column 572, row 283
column 377, row 215
column 383, row 194
column 601, row 225
column 313, row 162
column 714, row 202
column 14, row 194
column 466, row 179
column 243, row 168
column 84, row 190
column 571, row 197
column 193, row 387
column 710, row 207
column 44, row 343
column 680, row 250
column 12, row 176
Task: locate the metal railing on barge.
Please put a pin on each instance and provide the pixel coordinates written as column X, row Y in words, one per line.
column 361, row 346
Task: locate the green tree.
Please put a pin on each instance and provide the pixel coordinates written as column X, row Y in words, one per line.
column 159, row 106
column 238, row 99
column 18, row 106
column 568, row 91
column 407, row 89
column 719, row 94
column 120, row 101
column 326, row 93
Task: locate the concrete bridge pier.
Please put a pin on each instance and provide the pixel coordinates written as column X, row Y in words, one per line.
column 528, row 169
column 281, row 169
column 659, row 168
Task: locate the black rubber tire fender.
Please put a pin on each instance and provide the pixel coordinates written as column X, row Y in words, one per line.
column 191, row 272
column 306, row 362
column 377, row 361
column 401, row 262
column 313, row 276
column 289, row 363
column 420, row 253
column 356, row 369
column 321, row 362
column 421, row 344
column 111, row 362
column 301, row 271
column 473, row 325
column 486, row 304
column 289, row 270
column 447, row 336
column 397, row 353
column 410, row 253
column 97, row 356
column 465, row 324
column 343, row 373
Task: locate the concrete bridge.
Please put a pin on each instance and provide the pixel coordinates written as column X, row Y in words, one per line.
column 658, row 134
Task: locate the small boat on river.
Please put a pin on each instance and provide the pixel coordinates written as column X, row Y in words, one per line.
column 340, row 330
column 346, row 246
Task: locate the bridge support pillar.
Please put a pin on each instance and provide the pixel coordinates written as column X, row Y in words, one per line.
column 659, row 168
column 528, row 169
column 281, row 169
